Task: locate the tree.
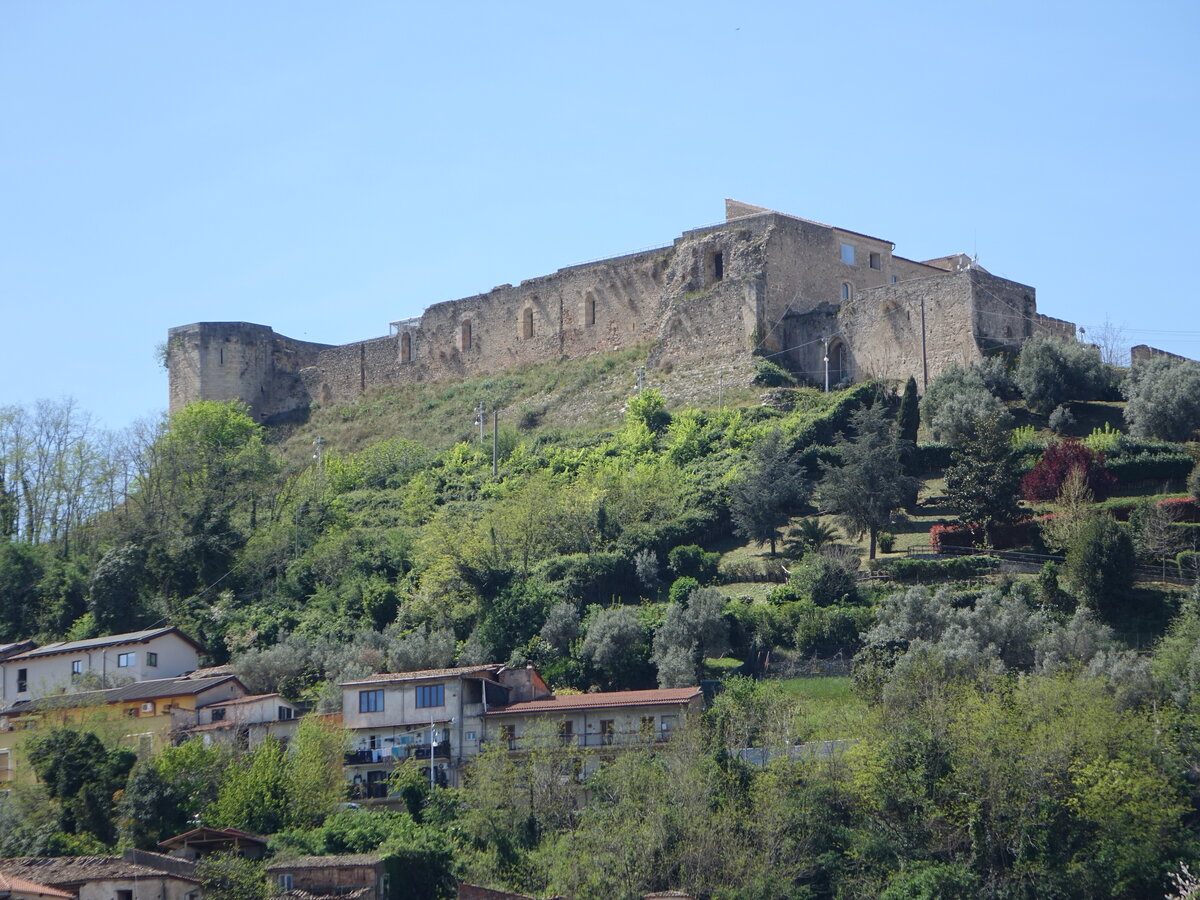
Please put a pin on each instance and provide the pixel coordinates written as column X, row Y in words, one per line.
column 1045, row 480
column 771, row 485
column 1163, row 396
column 253, row 793
column 1052, row 371
column 689, row 633
column 1100, row 566
column 1074, row 507
column 83, row 775
column 615, row 643
column 229, row 876
column 1193, row 482
column 984, row 479
column 150, row 808
column 869, row 484
column 909, row 416
column 316, row 780
column 954, row 400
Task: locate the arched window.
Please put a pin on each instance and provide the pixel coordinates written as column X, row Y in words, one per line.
column 839, row 367
column 527, row 323
column 464, row 335
column 589, row 310
column 405, row 347
column 847, row 291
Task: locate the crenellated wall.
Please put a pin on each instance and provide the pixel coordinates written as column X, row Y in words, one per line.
column 761, row 282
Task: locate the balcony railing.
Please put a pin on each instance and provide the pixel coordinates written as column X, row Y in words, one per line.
column 389, row 755
column 606, row 739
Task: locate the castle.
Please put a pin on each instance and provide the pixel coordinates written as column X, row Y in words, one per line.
column 823, row 301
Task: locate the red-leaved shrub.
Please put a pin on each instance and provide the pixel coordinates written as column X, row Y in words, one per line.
column 1045, row 480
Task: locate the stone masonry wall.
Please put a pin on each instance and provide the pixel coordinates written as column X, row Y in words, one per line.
column 760, row 282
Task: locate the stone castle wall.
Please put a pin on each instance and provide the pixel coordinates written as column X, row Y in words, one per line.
column 761, row 282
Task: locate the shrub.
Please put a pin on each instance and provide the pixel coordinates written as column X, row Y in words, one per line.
column 1060, row 420
column 1103, row 440
column 1182, row 509
column 1046, row 478
column 1164, row 398
column 954, row 401
column 1051, row 371
column 681, row 588
column 887, row 541
column 691, row 560
column 931, row 457
column 1100, row 565
column 1149, row 467
column 589, row 577
column 1188, row 563
column 830, row 630
column 1193, row 483
column 772, row 374
column 1014, row 534
column 923, row 571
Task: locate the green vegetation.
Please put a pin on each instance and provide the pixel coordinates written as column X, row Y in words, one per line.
column 1007, row 734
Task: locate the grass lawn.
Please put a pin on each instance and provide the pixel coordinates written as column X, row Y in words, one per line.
column 828, row 707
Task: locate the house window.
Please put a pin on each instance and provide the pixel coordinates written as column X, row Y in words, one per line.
column 848, row 254
column 285, row 882
column 607, row 730
column 285, row 713
column 218, row 715
column 370, row 701
column 847, row 291
column 431, row 695
column 131, row 712
column 508, row 733
column 894, row 279
column 470, row 735
column 464, row 335
column 125, row 660
column 647, row 728
column 22, row 680
column 566, row 732
column 151, row 659
column 876, row 261
column 77, row 667
column 124, row 895
column 527, row 323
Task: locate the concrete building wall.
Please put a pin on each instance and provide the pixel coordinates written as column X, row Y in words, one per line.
column 141, row 888
column 46, row 675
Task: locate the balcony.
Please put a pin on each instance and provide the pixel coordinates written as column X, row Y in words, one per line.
column 606, row 739
column 389, row 755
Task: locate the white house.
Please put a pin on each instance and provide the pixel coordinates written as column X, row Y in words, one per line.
column 244, row 721
column 97, row 662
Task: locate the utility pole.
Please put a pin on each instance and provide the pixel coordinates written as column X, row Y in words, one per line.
column 495, row 444
column 924, row 356
column 721, row 389
column 825, row 341
column 641, row 378
column 479, row 420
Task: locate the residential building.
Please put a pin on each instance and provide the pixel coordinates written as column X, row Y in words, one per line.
column 143, row 715
column 14, row 888
column 603, row 722
column 97, row 662
column 244, row 722
column 448, row 715
column 361, row 876
column 200, row 842
column 102, row 878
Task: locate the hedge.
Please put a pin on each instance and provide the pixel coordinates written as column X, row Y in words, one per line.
column 1188, row 563
column 931, row 457
column 920, row 571
column 1150, row 467
column 1018, row 534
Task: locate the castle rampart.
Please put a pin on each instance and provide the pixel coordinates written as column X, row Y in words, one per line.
column 760, row 282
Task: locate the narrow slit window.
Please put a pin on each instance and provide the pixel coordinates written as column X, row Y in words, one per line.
column 527, row 323
column 589, row 310
column 718, row 266
column 464, row 335
column 406, row 347
column 847, row 291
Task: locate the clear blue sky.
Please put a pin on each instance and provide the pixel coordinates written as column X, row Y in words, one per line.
column 326, row 168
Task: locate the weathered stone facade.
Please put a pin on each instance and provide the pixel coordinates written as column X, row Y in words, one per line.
column 761, row 282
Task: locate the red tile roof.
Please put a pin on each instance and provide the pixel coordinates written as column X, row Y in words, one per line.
column 11, row 884
column 490, row 669
column 568, row 702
